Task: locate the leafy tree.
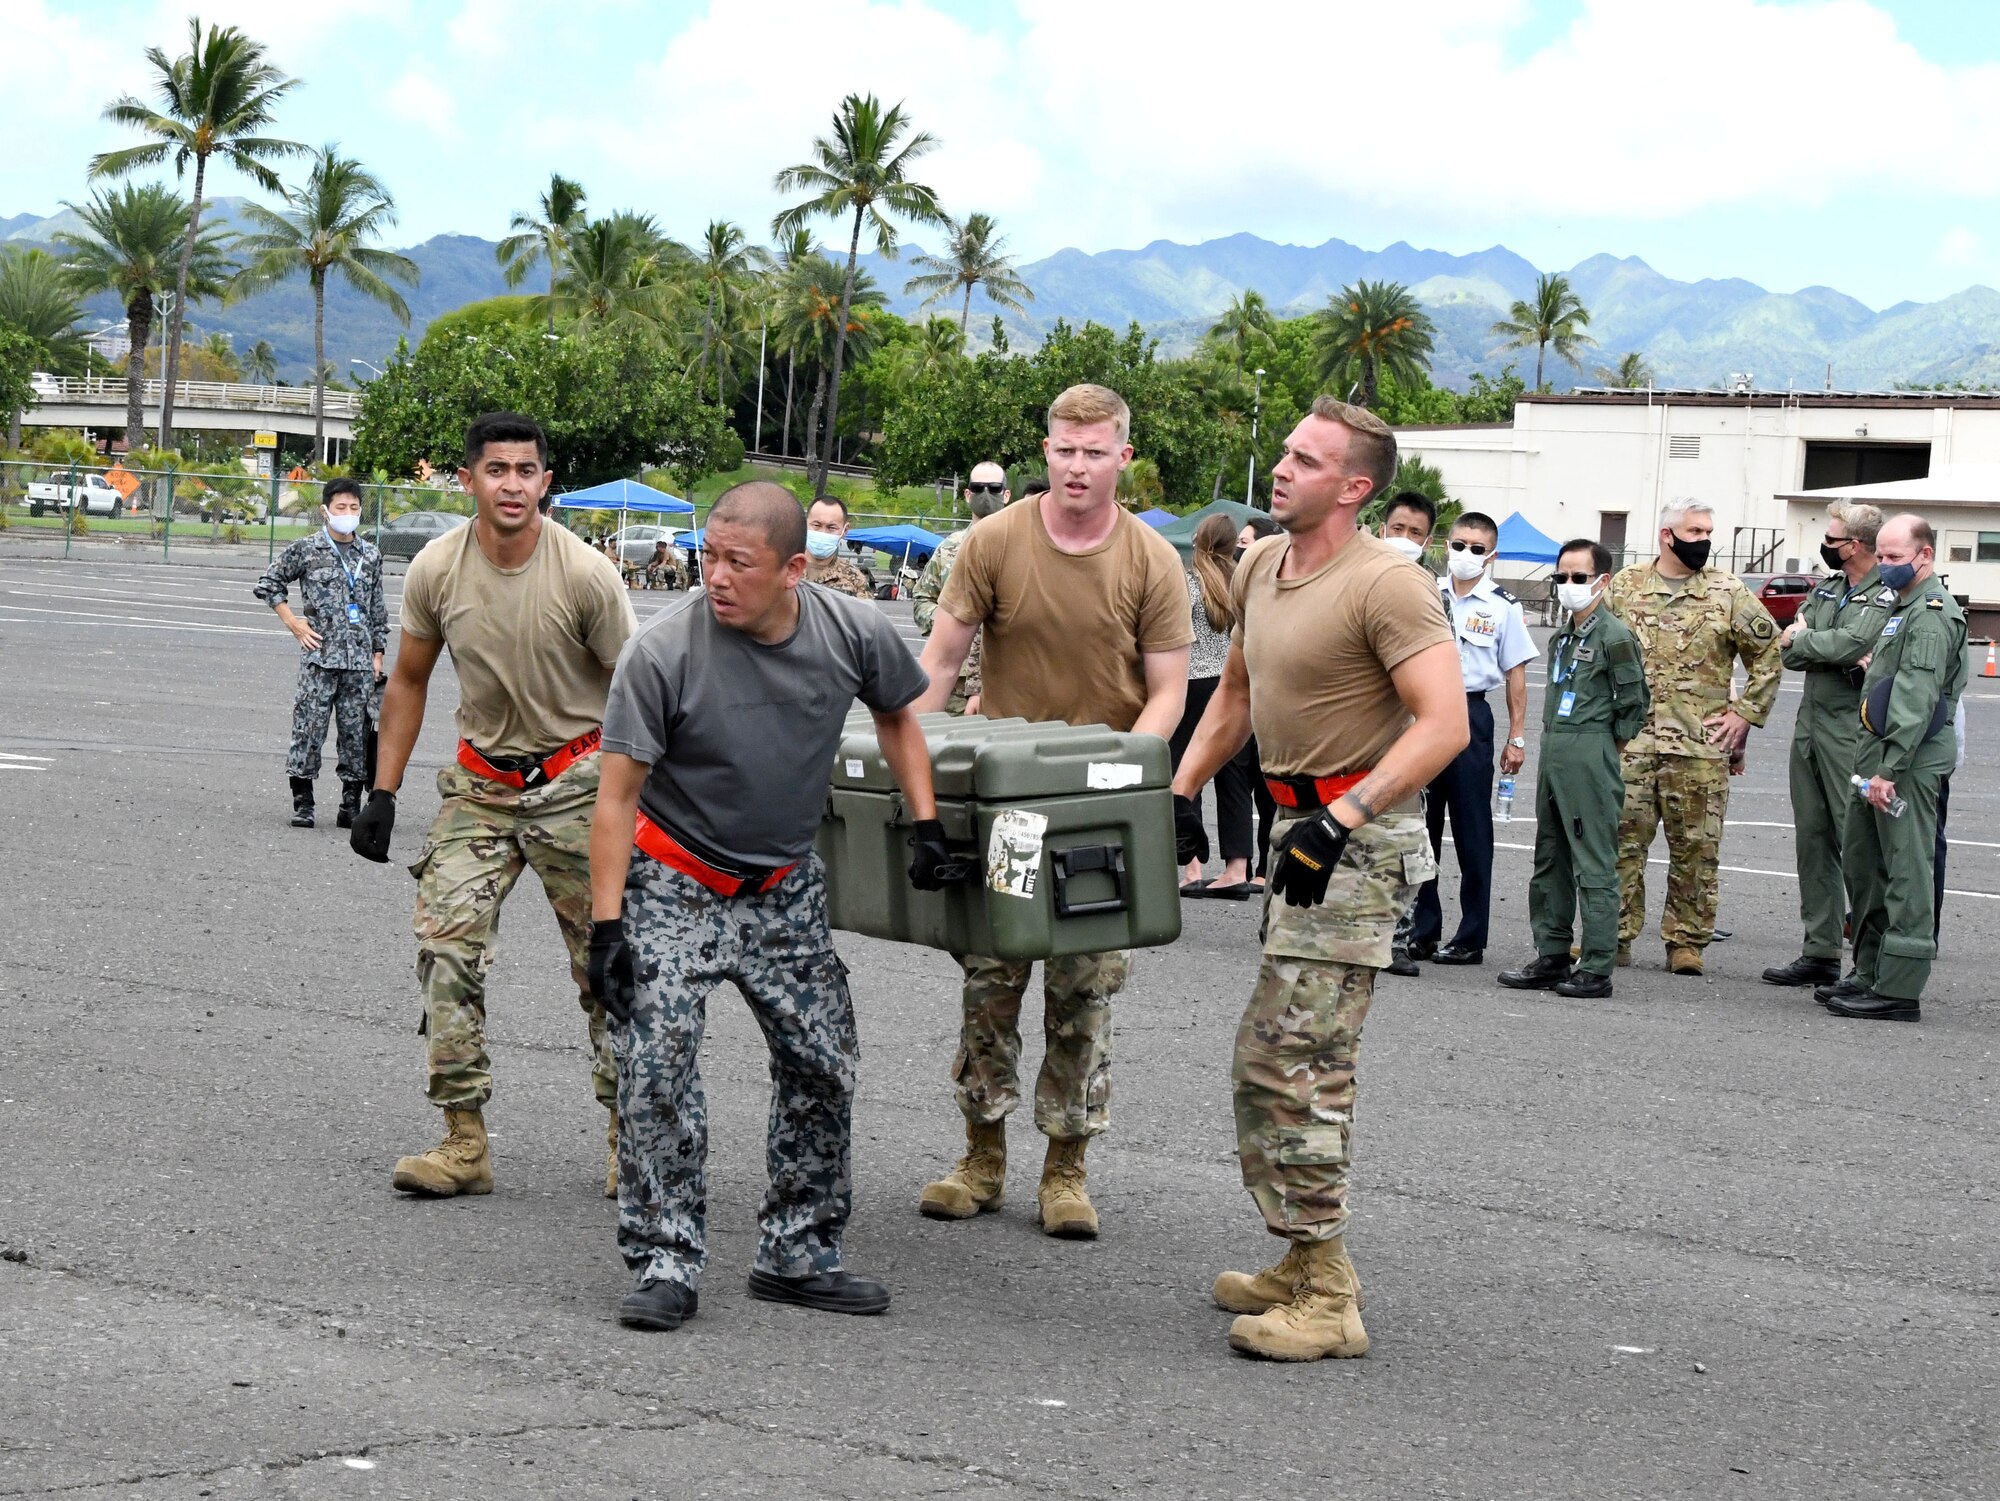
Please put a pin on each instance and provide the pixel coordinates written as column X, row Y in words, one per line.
column 261, row 363
column 487, row 314
column 217, row 99
column 131, row 248
column 859, row 170
column 543, row 235
column 811, row 326
column 1369, row 328
column 18, row 354
column 327, row 226
column 36, row 299
column 1491, row 400
column 1631, row 373
column 221, row 351
column 611, row 398
column 972, row 258
column 1245, row 328
column 619, row 271
column 1555, row 315
column 1412, row 473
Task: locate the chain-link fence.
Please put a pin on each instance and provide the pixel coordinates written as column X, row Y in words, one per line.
column 204, row 505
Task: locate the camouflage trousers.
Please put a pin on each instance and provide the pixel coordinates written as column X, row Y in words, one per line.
column 777, row 949
column 482, row 839
column 342, row 695
column 1073, row 1090
column 1296, row 1048
column 1689, row 794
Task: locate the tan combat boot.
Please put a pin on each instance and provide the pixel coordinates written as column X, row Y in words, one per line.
column 1323, row 1318
column 1062, row 1205
column 456, row 1165
column 1253, row 1292
column 979, row 1180
column 611, row 1169
column 1682, row 960
column 1625, row 954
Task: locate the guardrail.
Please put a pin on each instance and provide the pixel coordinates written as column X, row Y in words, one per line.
column 209, row 395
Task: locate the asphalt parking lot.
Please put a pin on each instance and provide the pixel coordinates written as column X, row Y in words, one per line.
column 1701, row 1239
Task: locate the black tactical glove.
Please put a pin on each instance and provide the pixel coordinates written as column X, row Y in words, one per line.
column 934, row 867
column 1303, row 863
column 1190, row 838
column 369, row 837
column 612, row 984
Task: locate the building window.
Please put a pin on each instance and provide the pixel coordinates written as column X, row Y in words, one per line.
column 1958, row 546
column 1833, row 466
column 1989, row 548
column 1684, row 446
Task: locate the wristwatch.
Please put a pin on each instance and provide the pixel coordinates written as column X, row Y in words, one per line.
column 1518, row 742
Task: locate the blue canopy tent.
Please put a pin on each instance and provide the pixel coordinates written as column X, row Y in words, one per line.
column 690, row 540
column 1522, row 543
column 899, row 541
column 1157, row 517
column 623, row 495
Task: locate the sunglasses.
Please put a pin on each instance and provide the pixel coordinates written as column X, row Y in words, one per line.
column 1835, row 541
column 1576, row 578
column 982, row 488
column 1477, row 549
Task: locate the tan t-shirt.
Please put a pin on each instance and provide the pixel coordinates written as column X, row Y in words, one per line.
column 1063, row 633
column 533, row 646
column 1320, row 649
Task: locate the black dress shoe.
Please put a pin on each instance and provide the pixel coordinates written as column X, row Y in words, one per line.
column 1400, row 963
column 1543, row 972
column 1451, row 953
column 1804, row 970
column 832, row 1292
column 1870, row 1007
column 1584, row 986
column 657, row 1305
column 1421, row 949
column 1850, row 984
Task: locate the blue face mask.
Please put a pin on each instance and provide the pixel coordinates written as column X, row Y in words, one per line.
column 1899, row 576
column 822, row 545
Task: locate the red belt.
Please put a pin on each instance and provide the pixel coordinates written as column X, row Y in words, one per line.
column 1312, row 792
column 530, row 773
column 669, row 851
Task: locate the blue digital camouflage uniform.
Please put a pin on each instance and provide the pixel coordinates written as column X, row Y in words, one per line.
column 335, row 677
column 777, row 949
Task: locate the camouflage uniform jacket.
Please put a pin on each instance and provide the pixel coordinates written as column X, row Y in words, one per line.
column 330, row 576
column 929, row 589
column 840, row 576
column 1690, row 637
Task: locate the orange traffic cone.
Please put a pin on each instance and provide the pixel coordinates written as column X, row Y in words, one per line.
column 1992, row 671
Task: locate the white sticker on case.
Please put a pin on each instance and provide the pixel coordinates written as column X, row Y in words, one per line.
column 855, row 768
column 1014, row 854
column 1106, row 776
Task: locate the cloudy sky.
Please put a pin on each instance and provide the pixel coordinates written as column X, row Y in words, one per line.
column 1848, row 143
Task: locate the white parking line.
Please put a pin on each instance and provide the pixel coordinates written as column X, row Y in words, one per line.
column 137, row 620
column 1785, row 875
column 77, row 597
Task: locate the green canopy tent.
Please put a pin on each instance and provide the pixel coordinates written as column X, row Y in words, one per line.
column 1181, row 532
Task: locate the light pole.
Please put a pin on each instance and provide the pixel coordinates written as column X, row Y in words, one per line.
column 1256, row 411
column 366, row 366
column 757, row 432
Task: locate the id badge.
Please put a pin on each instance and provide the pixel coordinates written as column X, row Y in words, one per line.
column 353, row 613
column 1568, row 703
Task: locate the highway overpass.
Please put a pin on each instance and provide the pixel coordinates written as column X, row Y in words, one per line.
column 98, row 403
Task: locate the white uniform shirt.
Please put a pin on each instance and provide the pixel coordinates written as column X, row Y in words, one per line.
column 1491, row 633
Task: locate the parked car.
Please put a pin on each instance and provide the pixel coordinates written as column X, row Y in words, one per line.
column 639, row 541
column 1780, row 593
column 99, row 496
column 407, row 535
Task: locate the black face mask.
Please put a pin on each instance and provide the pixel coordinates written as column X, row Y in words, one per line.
column 1832, row 556
column 1692, row 554
column 1239, row 553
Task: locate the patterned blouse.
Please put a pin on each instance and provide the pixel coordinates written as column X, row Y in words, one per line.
column 1211, row 647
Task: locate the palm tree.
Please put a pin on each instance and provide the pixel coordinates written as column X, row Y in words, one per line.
column 1631, row 373
column 618, row 270
column 36, row 302
column 724, row 265
column 543, row 235
column 216, row 99
column 811, row 326
column 1246, row 324
column 1370, row 327
column 972, row 258
column 221, row 351
column 325, row 227
column 786, row 255
column 940, row 345
column 859, row 170
column 132, row 249
column 261, row 363
column 1553, row 316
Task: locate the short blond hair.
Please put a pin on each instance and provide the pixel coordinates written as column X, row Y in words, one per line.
column 1371, row 445
column 1087, row 403
column 1863, row 522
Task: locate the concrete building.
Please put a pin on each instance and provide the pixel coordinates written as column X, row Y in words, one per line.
column 1600, row 463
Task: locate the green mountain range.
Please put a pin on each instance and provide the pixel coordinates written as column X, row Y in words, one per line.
column 1698, row 334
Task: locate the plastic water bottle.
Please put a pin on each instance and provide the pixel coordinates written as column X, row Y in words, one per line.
column 1503, row 797
column 1897, row 807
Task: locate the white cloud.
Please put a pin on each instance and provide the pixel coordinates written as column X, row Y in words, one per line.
column 1960, row 247
column 423, row 98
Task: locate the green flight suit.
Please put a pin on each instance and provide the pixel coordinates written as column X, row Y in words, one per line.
column 1888, row 861
column 1597, row 700
column 1842, row 623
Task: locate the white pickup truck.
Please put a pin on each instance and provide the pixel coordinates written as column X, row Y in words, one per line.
column 98, row 495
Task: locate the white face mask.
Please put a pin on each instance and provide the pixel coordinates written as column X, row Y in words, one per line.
column 822, row 545
column 343, row 522
column 1574, row 597
column 1407, row 546
column 1465, row 566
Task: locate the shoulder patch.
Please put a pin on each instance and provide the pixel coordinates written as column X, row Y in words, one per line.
column 1934, row 603
column 1621, row 651
column 1886, row 597
column 1500, row 593
column 1762, row 628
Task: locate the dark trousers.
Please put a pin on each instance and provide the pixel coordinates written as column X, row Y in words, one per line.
column 1267, row 805
column 1232, row 782
column 1937, row 860
column 1464, row 789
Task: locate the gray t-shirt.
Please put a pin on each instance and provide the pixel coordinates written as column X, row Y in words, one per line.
column 741, row 736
